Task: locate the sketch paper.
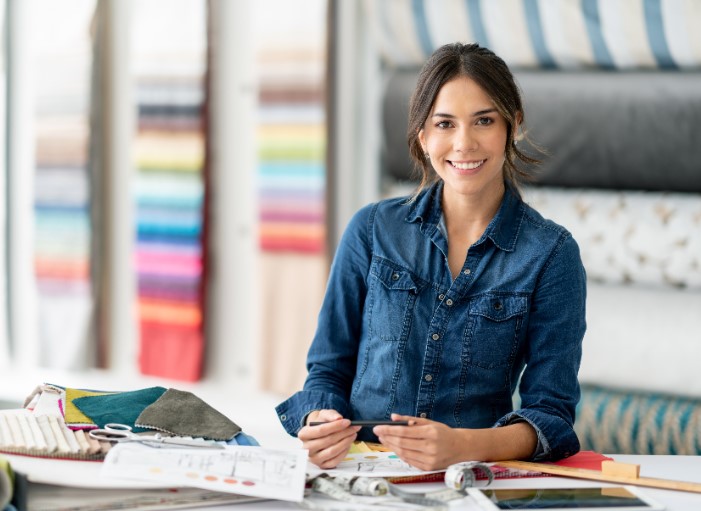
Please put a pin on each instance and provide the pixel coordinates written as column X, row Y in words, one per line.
column 372, row 464
column 254, row 471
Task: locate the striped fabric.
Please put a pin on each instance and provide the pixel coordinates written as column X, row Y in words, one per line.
column 610, row 34
column 62, row 239
column 291, row 141
column 170, row 57
column 627, row 422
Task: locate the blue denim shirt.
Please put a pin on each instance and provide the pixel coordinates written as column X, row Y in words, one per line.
column 396, row 333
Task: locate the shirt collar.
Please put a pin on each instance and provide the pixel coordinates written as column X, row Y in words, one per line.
column 502, row 230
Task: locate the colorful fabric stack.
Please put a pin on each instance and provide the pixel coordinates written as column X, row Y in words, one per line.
column 170, row 58
column 62, row 189
column 291, row 59
column 291, row 156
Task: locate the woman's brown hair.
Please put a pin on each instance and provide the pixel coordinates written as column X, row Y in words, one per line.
column 492, row 74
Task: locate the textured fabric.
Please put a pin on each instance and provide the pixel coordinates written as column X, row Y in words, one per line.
column 398, row 334
column 170, row 154
column 120, row 407
column 75, row 419
column 630, row 237
column 625, row 34
column 627, row 422
column 182, row 413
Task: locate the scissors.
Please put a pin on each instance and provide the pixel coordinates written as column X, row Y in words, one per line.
column 114, row 432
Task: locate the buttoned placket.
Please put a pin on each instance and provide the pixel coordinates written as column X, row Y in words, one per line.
column 437, row 328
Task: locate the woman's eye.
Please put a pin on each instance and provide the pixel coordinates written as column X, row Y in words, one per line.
column 484, row 121
column 443, row 124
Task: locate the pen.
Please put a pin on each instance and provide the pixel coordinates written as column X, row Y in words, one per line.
column 368, row 423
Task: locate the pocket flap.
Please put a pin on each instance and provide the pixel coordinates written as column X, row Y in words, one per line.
column 394, row 278
column 499, row 307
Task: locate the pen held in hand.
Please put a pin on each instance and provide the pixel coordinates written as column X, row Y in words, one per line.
column 368, row 423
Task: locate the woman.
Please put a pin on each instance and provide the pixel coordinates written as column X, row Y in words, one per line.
column 440, row 305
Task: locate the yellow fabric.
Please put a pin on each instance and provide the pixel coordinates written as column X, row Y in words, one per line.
column 72, row 415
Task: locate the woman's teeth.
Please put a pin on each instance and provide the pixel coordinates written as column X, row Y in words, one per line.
column 467, row 166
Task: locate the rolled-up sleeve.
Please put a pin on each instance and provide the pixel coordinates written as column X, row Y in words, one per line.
column 549, row 388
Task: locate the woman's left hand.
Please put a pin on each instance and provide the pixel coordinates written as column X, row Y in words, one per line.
column 424, row 444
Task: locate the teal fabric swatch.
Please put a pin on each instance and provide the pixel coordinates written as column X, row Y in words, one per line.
column 121, row 407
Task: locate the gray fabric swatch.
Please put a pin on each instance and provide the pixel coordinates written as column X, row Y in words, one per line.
column 182, row 413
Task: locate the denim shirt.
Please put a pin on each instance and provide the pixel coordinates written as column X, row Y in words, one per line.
column 396, row 333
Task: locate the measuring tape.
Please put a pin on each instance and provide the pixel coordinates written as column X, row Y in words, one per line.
column 356, row 489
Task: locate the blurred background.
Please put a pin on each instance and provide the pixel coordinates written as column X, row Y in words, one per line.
column 176, row 175
column 163, row 185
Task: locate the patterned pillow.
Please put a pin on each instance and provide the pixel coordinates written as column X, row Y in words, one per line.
column 624, row 422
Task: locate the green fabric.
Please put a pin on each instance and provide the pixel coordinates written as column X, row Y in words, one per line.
column 120, row 407
column 183, row 414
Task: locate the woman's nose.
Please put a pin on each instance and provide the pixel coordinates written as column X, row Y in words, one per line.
column 464, row 140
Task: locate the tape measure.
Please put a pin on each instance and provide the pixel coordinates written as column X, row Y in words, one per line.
column 356, row 489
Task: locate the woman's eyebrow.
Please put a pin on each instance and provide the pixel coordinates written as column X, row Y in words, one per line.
column 475, row 114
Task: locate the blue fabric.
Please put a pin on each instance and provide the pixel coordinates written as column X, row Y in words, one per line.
column 535, row 30
column 397, row 334
column 638, row 422
column 417, row 7
column 476, row 24
column 656, row 34
column 242, row 438
column 590, row 8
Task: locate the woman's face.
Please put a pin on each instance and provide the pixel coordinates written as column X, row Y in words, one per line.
column 465, row 137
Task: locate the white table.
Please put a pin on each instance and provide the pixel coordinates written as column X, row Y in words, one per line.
column 686, row 468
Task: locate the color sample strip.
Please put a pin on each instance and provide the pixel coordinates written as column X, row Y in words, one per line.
column 170, row 190
column 291, row 148
column 62, row 224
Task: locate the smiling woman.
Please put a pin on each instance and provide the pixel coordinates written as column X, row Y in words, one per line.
column 460, row 294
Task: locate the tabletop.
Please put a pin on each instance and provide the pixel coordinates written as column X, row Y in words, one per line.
column 682, row 468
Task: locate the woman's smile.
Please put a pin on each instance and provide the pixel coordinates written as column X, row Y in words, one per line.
column 467, row 167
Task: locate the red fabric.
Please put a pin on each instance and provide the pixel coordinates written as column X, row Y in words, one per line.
column 589, row 460
column 171, row 351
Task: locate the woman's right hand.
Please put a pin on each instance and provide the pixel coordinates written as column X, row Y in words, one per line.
column 327, row 443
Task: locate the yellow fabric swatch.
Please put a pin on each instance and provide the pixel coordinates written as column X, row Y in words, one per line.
column 72, row 415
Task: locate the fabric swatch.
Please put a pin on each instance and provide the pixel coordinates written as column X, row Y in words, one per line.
column 75, row 419
column 120, row 407
column 182, row 413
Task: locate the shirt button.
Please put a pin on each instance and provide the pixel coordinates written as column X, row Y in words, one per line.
column 435, row 337
column 449, row 302
column 283, row 417
column 395, row 276
column 467, row 271
column 422, row 415
column 441, row 296
column 428, row 377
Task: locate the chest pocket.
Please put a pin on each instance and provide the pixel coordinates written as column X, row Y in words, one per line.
column 393, row 293
column 494, row 329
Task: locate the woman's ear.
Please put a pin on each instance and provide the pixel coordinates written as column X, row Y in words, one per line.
column 518, row 134
column 422, row 140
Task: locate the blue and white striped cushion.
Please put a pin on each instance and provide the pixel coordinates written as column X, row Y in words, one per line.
column 567, row 34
